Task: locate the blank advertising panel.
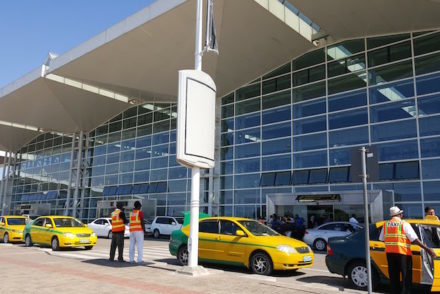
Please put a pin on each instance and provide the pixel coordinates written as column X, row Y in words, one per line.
column 196, row 119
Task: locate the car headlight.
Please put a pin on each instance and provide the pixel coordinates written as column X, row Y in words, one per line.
column 69, row 235
column 93, row 235
column 286, row 249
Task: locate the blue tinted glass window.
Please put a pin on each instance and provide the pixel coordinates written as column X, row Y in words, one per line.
column 340, row 156
column 226, row 167
column 274, row 100
column 428, row 84
column 347, row 82
column 282, row 179
column 310, row 159
column 248, row 165
column 177, row 186
column 276, row 115
column 406, row 170
column 430, row 147
column 161, row 187
column 247, row 121
column 395, row 130
column 276, row 131
column 161, row 138
column 247, row 196
column 392, row 92
column 142, row 164
column 300, row 177
column 347, row 100
column 389, row 73
column 309, row 125
column 129, row 155
column 143, row 141
column 177, row 173
column 430, row 169
column 226, row 153
column 348, row 119
column 226, row 182
column 431, row 191
column 429, row 105
column 277, row 146
column 227, row 125
column 407, row 192
column 126, row 166
column 348, row 137
column 429, row 126
column 227, row 139
column 318, row 176
column 267, row 179
column 279, row 162
column 246, row 181
column 159, row 175
column 338, row 174
column 392, row 111
column 397, row 151
column 228, row 110
column 248, row 150
column 248, row 136
column 308, row 92
column 159, row 162
column 248, row 92
column 386, row 171
column 142, row 176
column 112, row 158
column 310, row 142
column 308, row 108
column 247, row 106
column 160, row 150
column 427, row 64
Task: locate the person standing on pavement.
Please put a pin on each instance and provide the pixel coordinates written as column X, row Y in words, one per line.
column 398, row 236
column 137, row 229
column 118, row 228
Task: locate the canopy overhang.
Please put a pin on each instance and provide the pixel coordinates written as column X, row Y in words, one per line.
column 140, row 57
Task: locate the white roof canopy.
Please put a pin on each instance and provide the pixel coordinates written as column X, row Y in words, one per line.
column 139, row 58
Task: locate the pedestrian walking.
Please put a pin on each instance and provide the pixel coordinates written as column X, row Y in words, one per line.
column 137, row 229
column 398, row 236
column 118, row 228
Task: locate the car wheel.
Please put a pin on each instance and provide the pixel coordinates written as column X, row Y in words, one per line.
column 110, row 234
column 55, row 244
column 28, row 241
column 182, row 255
column 358, row 276
column 156, row 234
column 88, row 247
column 6, row 238
column 261, row 264
column 320, row 244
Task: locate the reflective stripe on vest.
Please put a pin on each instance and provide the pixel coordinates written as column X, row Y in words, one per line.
column 395, row 238
column 117, row 223
column 135, row 222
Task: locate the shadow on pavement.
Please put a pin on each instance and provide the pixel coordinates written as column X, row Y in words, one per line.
column 339, row 283
column 108, row 263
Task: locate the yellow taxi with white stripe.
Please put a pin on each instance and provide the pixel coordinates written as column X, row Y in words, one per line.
column 11, row 228
column 58, row 232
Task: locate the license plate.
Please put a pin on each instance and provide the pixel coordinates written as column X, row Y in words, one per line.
column 84, row 241
column 307, row 258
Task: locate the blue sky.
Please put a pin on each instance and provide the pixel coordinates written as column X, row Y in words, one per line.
column 30, row 29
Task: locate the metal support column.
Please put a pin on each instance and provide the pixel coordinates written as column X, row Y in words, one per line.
column 210, row 190
column 5, row 185
column 78, row 174
column 69, row 184
column 367, row 231
column 2, row 184
column 84, row 177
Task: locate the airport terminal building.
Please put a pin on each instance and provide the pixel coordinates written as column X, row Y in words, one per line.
column 295, row 97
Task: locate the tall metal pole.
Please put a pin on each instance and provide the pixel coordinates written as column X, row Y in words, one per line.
column 78, row 174
column 69, row 184
column 367, row 229
column 2, row 184
column 193, row 242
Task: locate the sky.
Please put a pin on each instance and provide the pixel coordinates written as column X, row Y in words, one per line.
column 30, row 29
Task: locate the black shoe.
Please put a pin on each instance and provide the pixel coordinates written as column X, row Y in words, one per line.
column 111, row 260
column 121, row 260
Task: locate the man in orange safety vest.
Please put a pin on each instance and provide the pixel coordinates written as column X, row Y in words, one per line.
column 118, row 229
column 137, row 229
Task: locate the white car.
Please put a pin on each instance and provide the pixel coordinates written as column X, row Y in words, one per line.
column 148, row 230
column 165, row 225
column 103, row 227
column 318, row 237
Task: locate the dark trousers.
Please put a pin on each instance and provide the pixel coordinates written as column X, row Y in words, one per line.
column 400, row 264
column 117, row 241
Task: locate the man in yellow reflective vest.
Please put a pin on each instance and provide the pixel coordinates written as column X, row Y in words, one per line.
column 398, row 236
column 118, row 228
column 137, row 229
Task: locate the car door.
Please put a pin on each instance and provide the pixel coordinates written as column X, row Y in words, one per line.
column 96, row 226
column 106, row 227
column 2, row 227
column 208, row 238
column 430, row 235
column 47, row 232
column 229, row 244
column 36, row 229
column 377, row 250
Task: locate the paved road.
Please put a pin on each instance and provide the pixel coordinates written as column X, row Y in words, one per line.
column 24, row 270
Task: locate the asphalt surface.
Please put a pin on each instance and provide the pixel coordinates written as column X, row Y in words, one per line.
column 35, row 269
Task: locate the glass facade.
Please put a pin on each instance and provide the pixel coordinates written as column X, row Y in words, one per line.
column 289, row 131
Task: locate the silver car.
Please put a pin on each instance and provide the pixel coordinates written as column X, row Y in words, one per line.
column 318, row 237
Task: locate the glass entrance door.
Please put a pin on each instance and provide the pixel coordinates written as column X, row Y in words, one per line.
column 319, row 214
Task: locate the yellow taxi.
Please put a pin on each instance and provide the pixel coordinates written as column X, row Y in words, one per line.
column 243, row 242
column 11, row 228
column 58, row 232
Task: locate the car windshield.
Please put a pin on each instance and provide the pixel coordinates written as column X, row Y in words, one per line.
column 67, row 223
column 16, row 221
column 258, row 229
column 179, row 220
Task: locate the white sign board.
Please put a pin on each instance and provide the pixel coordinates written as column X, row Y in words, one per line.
column 196, row 119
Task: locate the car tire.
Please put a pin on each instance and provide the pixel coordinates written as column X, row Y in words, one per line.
column 261, row 264
column 358, row 275
column 183, row 255
column 110, row 234
column 28, row 241
column 6, row 238
column 88, row 247
column 156, row 234
column 320, row 244
column 55, row 244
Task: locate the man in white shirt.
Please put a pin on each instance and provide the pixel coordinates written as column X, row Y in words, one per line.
column 353, row 219
column 398, row 236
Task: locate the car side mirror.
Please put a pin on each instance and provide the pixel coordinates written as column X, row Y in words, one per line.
column 48, row 226
column 2, row 224
column 85, row 225
column 173, row 223
column 240, row 233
